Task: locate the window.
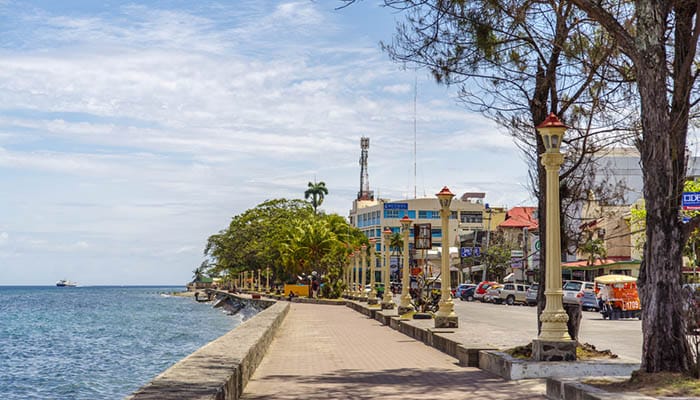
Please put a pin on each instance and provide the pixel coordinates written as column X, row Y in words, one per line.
column 391, row 213
column 436, row 232
column 453, row 214
column 508, row 286
column 469, row 217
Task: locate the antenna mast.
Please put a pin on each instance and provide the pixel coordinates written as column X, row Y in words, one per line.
column 364, row 193
column 415, row 162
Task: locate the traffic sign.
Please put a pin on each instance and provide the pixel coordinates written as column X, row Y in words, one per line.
column 465, row 252
column 477, row 251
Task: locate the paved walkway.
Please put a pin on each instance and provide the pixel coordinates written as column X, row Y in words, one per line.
column 333, row 352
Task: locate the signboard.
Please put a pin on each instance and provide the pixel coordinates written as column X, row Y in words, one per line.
column 396, row 206
column 465, row 252
column 691, row 200
column 416, row 271
column 516, row 258
column 423, row 236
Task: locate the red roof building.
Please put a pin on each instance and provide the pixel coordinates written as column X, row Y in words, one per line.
column 520, row 217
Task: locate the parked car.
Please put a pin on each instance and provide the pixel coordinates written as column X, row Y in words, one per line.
column 589, row 301
column 468, row 294
column 574, row 291
column 512, row 293
column 461, row 288
column 493, row 293
column 531, row 294
column 481, row 289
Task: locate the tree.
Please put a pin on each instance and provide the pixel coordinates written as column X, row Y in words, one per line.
column 317, row 192
column 660, row 39
column 516, row 61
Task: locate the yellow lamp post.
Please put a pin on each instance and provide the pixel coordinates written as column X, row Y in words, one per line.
column 357, row 292
column 259, row 285
column 445, row 317
column 267, row 280
column 553, row 342
column 363, row 270
column 372, row 299
column 387, row 300
column 348, row 277
column 405, row 304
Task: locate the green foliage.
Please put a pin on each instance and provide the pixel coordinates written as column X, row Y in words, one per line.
column 288, row 237
column 317, row 192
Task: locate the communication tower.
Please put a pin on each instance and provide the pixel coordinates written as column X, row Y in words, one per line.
column 364, row 193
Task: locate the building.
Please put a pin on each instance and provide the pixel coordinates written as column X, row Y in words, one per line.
column 467, row 214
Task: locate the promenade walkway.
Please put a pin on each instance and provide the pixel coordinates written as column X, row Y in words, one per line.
column 333, row 352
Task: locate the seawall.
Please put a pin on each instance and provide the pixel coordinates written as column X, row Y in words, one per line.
column 221, row 369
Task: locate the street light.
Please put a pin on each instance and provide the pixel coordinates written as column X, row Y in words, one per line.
column 553, row 342
column 445, row 317
column 405, row 305
column 372, row 299
column 357, row 274
column 348, row 268
column 363, row 270
column 387, row 301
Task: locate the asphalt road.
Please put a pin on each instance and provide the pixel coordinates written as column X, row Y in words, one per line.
column 519, row 325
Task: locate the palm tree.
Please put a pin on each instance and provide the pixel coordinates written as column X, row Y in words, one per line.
column 317, row 192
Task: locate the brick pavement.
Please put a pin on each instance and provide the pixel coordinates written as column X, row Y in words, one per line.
column 332, row 352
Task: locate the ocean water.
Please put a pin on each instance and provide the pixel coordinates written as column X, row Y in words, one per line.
column 97, row 342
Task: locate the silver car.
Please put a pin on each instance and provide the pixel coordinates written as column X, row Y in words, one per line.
column 574, row 291
column 531, row 294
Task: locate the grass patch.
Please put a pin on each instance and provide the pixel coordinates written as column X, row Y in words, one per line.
column 660, row 384
column 584, row 351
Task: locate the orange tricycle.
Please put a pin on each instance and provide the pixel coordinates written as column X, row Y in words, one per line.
column 618, row 296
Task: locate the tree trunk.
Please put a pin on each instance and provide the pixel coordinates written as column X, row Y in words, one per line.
column 665, row 347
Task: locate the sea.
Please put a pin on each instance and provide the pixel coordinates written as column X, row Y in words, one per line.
column 97, row 342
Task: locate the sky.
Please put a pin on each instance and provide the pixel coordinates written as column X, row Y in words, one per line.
column 132, row 131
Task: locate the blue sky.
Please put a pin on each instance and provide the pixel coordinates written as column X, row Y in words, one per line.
column 131, row 132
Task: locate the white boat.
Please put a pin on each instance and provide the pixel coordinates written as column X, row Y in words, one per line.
column 66, row 283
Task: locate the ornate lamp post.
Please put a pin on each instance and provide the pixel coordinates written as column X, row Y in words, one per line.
column 363, row 270
column 357, row 293
column 553, row 342
column 405, row 305
column 372, row 299
column 445, row 317
column 387, row 301
column 267, row 280
column 259, row 281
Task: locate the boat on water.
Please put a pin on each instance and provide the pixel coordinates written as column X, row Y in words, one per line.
column 66, row 283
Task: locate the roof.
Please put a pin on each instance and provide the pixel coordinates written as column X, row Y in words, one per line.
column 520, row 217
column 583, row 264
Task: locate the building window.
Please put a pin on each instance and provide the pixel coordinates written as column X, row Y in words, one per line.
column 436, row 233
column 453, row 214
column 471, row 217
column 391, row 213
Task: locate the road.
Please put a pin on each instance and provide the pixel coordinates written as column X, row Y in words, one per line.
column 518, row 325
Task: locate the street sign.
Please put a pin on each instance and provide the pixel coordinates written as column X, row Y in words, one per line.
column 423, row 236
column 477, row 252
column 465, row 252
column 691, row 200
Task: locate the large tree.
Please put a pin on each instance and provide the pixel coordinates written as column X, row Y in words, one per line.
column 660, row 38
column 515, row 62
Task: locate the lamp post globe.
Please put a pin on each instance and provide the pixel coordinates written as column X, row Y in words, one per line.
column 553, row 342
column 405, row 304
column 387, row 300
column 445, row 317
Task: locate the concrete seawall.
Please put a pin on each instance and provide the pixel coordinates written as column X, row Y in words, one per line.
column 221, row 369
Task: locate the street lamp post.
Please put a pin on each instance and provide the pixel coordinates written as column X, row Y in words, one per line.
column 363, row 270
column 267, row 280
column 259, row 281
column 372, row 299
column 387, row 301
column 445, row 317
column 357, row 292
column 553, row 342
column 405, row 305
column 348, row 275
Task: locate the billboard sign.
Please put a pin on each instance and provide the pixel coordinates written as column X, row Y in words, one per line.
column 423, row 236
column 691, row 200
column 396, row 206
